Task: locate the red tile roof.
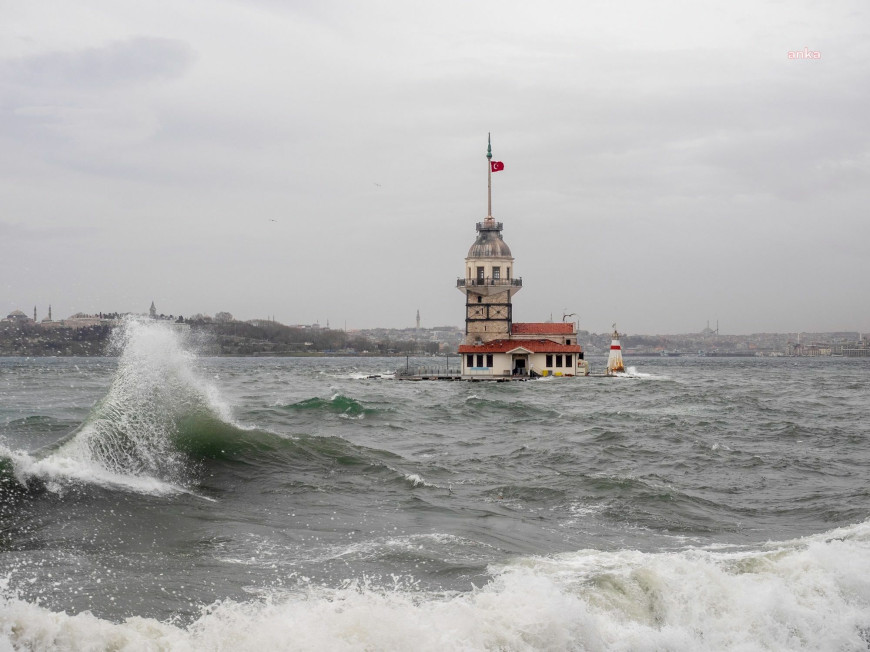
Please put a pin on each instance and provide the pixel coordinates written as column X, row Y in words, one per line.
column 533, row 346
column 539, row 328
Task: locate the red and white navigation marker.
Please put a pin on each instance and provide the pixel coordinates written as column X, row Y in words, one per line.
column 614, row 360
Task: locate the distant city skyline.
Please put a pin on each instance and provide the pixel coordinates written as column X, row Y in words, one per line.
column 664, row 163
column 421, row 325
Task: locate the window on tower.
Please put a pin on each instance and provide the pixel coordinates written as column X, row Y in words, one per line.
column 480, row 275
column 496, row 272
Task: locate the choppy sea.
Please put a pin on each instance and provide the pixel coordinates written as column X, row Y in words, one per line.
column 165, row 500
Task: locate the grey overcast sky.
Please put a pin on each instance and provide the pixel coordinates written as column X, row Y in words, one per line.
column 666, row 163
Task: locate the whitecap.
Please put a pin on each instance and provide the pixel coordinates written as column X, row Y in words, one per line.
column 808, row 594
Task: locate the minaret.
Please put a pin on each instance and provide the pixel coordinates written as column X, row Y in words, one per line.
column 152, row 311
column 418, row 320
column 34, row 314
column 489, row 281
column 49, row 312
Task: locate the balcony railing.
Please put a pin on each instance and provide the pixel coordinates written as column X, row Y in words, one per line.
column 472, row 282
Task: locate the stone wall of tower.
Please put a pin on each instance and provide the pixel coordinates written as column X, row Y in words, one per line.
column 487, row 331
column 501, row 297
column 486, row 328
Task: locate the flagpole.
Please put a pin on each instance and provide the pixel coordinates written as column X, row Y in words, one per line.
column 489, row 175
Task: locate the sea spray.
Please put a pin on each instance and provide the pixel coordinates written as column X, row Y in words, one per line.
column 130, row 438
column 633, row 515
column 805, row 594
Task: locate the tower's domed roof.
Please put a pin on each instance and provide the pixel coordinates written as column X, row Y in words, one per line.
column 489, row 243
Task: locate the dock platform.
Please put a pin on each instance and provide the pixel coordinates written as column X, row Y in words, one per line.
column 445, row 373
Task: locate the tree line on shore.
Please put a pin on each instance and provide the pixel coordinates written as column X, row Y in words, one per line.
column 212, row 336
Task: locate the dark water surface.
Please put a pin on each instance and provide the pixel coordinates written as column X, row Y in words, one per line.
column 167, row 501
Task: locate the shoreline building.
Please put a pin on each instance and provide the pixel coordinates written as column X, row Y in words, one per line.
column 495, row 346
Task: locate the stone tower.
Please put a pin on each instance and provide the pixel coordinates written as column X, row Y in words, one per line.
column 490, row 280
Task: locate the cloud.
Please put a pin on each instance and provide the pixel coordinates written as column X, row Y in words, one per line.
column 114, row 65
column 19, row 234
column 665, row 163
column 85, row 109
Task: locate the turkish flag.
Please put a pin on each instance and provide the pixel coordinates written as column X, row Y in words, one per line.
column 496, row 165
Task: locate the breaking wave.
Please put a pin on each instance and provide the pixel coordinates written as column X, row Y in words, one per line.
column 131, row 439
column 806, row 594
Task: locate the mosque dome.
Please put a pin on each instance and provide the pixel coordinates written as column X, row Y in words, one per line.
column 15, row 314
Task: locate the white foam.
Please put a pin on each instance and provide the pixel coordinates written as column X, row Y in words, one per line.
column 414, row 479
column 810, row 594
column 59, row 472
column 350, row 376
column 417, row 480
column 365, row 375
column 632, row 372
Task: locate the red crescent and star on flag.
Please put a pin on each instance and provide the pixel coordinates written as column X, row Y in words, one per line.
column 495, row 166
